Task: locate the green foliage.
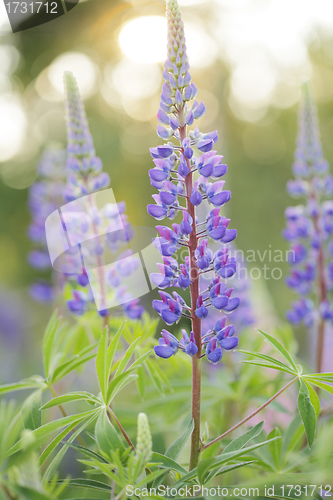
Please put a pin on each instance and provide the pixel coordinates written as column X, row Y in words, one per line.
column 105, row 419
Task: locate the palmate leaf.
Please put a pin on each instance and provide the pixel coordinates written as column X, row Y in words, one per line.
column 275, row 447
column 322, row 385
column 279, row 347
column 101, row 362
column 45, row 430
column 268, row 365
column 307, row 412
column 107, row 436
column 32, row 494
column 241, row 441
column 321, row 377
column 51, row 470
column 223, row 470
column 89, row 484
column 222, row 459
column 29, row 383
column 166, row 463
column 31, row 414
column 57, row 440
column 51, row 331
column 176, row 448
column 127, row 356
column 87, row 452
column 269, row 360
column 71, row 364
column 71, row 396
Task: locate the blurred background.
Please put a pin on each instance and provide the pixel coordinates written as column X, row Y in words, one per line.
column 248, row 58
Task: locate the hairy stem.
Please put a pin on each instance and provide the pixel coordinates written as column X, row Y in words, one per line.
column 196, row 322
column 122, row 430
column 322, row 296
column 100, row 266
column 251, row 415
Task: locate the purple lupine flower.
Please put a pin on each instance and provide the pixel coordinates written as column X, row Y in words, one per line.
column 86, row 177
column 188, row 152
column 45, row 196
column 309, row 226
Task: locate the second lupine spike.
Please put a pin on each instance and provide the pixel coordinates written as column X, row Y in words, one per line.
column 173, row 176
column 309, row 227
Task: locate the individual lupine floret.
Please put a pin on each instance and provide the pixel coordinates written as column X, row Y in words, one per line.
column 308, row 227
column 186, row 176
column 86, row 177
column 45, row 196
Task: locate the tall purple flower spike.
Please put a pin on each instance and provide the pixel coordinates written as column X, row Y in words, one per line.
column 186, row 173
column 86, row 176
column 309, row 227
column 45, row 196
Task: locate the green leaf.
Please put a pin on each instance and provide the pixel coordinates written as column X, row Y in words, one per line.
column 69, row 397
column 241, row 441
column 89, row 483
column 275, row 447
column 121, row 384
column 101, row 363
column 141, row 381
column 140, row 360
column 72, row 364
column 326, row 387
column 31, row 494
column 87, row 452
column 45, row 430
column 177, row 447
column 107, row 436
column 203, row 467
column 222, row 459
column 31, row 414
column 279, row 347
column 269, row 359
column 113, row 347
column 314, row 398
column 167, row 463
column 54, row 443
column 127, row 356
column 227, row 468
column 323, row 377
column 29, row 383
column 268, row 365
column 48, row 340
column 307, row 412
column 289, row 435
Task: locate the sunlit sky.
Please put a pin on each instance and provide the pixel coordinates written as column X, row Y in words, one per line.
column 264, row 43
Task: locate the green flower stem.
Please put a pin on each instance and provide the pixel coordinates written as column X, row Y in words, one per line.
column 196, row 322
column 251, row 415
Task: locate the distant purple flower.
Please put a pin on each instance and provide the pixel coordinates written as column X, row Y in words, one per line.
column 309, row 227
column 86, row 177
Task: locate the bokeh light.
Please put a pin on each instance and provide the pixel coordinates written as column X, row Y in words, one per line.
column 143, row 39
column 84, row 69
column 12, row 126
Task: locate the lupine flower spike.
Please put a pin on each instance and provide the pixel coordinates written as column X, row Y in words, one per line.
column 45, row 196
column 186, row 173
column 85, row 177
column 309, row 227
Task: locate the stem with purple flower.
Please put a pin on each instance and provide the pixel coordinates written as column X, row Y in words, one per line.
column 195, row 320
